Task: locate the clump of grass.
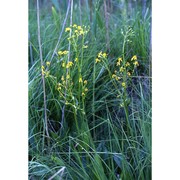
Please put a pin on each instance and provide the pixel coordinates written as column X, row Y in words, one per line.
column 98, row 101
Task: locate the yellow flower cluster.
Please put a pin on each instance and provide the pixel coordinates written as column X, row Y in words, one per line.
column 126, row 69
column 134, row 58
column 60, row 53
column 114, row 76
column 76, row 30
column 85, row 89
column 69, row 64
column 100, row 56
column 129, row 66
column 59, row 86
column 44, row 72
column 119, row 62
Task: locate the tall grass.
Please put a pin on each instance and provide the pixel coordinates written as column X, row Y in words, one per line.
column 98, row 128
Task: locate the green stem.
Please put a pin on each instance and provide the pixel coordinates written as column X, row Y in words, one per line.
column 93, row 110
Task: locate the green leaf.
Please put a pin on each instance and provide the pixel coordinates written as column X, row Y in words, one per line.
column 118, row 159
column 56, row 4
column 56, row 18
column 99, row 20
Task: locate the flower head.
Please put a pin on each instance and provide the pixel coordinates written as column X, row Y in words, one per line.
column 123, row 84
column 121, row 69
column 104, row 55
column 60, row 53
column 62, row 78
column 136, row 63
column 134, row 58
column 69, row 64
column 98, row 60
column 99, row 54
column 118, row 63
column 119, row 59
column 85, row 81
column 127, row 64
column 67, row 29
column 128, row 73
column 80, row 80
column 48, row 63
column 68, row 76
column 63, row 64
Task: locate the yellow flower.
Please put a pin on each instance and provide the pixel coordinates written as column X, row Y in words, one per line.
column 76, row 59
column 76, row 31
column 85, row 81
column 69, row 64
column 79, row 28
column 99, row 54
column 62, row 78
column 80, row 80
column 83, row 94
column 114, row 76
column 67, row 29
column 123, row 84
column 121, row 69
column 104, row 55
column 86, row 89
column 59, row 88
column 43, row 72
column 98, row 60
column 136, row 63
column 118, row 63
column 65, row 52
column 63, row 64
column 85, row 46
column 128, row 73
column 68, row 76
column 81, row 32
column 47, row 74
column 119, row 59
column 127, row 64
column 60, row 53
column 134, row 58
column 48, row 63
column 74, row 26
column 42, row 67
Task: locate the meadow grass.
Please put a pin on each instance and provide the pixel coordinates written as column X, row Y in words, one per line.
column 98, row 115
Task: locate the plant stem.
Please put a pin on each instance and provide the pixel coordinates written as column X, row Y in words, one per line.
column 69, row 48
column 55, row 49
column 107, row 26
column 43, row 80
column 93, row 104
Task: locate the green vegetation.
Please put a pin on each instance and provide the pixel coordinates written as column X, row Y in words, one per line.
column 90, row 90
